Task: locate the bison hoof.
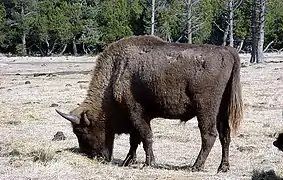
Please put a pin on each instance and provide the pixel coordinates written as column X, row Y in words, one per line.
column 150, row 161
column 130, row 159
column 129, row 162
column 196, row 169
column 152, row 164
column 223, row 168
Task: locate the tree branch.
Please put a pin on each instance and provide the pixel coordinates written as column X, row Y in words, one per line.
column 218, row 26
column 269, row 44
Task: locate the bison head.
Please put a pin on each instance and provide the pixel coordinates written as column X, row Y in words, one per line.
column 90, row 133
column 279, row 142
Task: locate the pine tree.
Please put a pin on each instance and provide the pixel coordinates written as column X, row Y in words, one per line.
column 2, row 20
column 23, row 16
column 114, row 20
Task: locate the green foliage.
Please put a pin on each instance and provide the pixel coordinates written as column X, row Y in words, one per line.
column 115, row 16
column 90, row 34
column 274, row 23
column 23, row 15
column 242, row 21
column 20, row 23
column 138, row 15
column 49, row 27
column 2, row 14
column 171, row 19
column 53, row 24
column 2, row 20
column 206, row 12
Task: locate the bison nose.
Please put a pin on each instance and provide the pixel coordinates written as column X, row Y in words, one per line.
column 106, row 155
column 275, row 143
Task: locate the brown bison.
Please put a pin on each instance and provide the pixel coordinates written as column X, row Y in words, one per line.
column 140, row 78
column 279, row 142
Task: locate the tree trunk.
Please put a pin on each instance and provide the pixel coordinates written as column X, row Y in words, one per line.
column 50, row 49
column 63, row 50
column 254, row 33
column 152, row 16
column 23, row 48
column 189, row 20
column 24, row 35
column 226, row 31
column 41, row 50
column 49, row 53
column 261, row 32
column 85, row 50
column 231, row 23
column 240, row 45
column 47, row 46
column 75, row 48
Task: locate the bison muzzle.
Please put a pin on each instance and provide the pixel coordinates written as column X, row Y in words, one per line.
column 140, row 78
column 279, row 142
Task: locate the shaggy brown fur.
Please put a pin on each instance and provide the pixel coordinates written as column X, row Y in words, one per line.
column 279, row 142
column 139, row 78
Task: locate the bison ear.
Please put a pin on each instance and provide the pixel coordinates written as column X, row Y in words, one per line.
column 86, row 120
column 69, row 117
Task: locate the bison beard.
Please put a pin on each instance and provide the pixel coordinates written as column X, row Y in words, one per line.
column 140, row 78
column 279, row 142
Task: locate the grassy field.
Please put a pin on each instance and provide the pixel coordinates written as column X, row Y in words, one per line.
column 31, row 89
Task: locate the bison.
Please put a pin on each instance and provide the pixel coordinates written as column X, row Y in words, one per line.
column 279, row 142
column 139, row 78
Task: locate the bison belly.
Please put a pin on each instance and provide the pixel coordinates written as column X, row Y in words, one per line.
column 165, row 101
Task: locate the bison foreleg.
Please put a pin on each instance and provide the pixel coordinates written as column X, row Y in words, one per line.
column 131, row 156
column 146, row 138
column 207, row 125
column 147, row 145
column 142, row 126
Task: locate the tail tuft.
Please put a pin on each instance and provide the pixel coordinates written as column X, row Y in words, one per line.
column 235, row 107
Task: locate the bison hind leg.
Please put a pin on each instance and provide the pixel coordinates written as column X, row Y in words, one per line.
column 224, row 136
column 225, row 139
column 207, row 126
column 224, row 131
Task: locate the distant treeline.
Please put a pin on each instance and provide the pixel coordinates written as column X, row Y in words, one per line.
column 54, row 27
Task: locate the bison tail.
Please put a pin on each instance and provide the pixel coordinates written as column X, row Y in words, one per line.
column 235, row 106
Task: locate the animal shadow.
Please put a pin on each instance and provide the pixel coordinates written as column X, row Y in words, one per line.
column 136, row 165
column 172, row 167
column 75, row 150
column 140, row 165
column 265, row 175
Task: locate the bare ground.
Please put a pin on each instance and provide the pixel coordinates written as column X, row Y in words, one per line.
column 31, row 88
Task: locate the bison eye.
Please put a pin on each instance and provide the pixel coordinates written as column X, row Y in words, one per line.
column 79, row 132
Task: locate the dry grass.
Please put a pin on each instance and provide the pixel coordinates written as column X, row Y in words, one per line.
column 28, row 123
column 43, row 155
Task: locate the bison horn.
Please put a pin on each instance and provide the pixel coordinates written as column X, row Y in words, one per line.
column 69, row 117
column 87, row 122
